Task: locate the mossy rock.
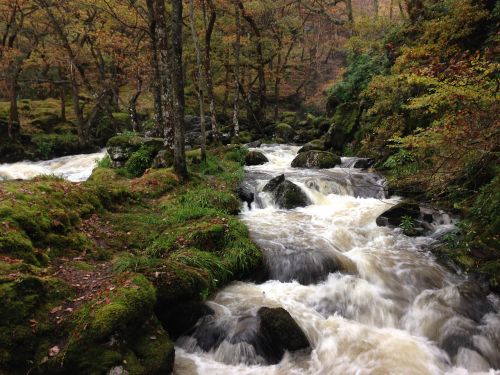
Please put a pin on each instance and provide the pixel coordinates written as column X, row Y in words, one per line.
column 255, row 158
column 316, row 160
column 26, row 327
column 46, row 121
column 286, row 194
column 314, row 145
column 285, row 132
column 345, row 124
column 291, row 118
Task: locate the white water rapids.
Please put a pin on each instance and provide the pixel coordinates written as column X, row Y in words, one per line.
column 370, row 299
column 74, row 168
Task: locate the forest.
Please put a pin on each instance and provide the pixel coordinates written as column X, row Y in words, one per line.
column 249, row 187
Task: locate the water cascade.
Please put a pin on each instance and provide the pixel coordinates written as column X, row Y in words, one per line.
column 369, row 299
column 73, row 168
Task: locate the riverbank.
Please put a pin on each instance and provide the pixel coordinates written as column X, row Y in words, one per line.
column 104, row 274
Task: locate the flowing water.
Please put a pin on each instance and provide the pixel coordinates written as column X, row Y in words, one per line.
column 370, row 299
column 73, row 168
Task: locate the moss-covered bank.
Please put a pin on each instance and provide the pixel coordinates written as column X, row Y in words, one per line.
column 103, row 274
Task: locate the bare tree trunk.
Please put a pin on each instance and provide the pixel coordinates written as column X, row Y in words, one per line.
column 165, row 68
column 80, row 121
column 62, row 93
column 260, row 63
column 375, row 7
column 236, row 112
column 390, row 9
column 155, row 65
column 13, row 123
column 348, row 5
column 201, row 97
column 178, row 90
column 132, row 106
column 208, row 69
column 226, row 83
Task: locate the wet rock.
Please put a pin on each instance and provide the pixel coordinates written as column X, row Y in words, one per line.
column 254, row 144
column 182, row 317
column 245, row 193
column 394, row 216
column 286, row 194
column 363, row 163
column 281, row 331
column 255, row 158
column 315, row 145
column 209, row 333
column 163, row 159
column 316, row 160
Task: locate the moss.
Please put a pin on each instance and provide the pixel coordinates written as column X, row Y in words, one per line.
column 291, row 118
column 284, row 131
column 316, row 159
column 126, row 139
column 25, row 326
column 16, row 244
column 155, row 183
column 140, row 160
column 51, row 145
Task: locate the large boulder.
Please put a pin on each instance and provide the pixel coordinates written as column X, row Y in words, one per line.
column 316, row 159
column 314, row 145
column 281, row 331
column 286, row 194
column 121, row 147
column 284, row 132
column 269, row 333
column 255, row 158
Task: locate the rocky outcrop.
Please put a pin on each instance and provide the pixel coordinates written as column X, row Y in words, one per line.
column 286, row 194
column 316, row 160
column 255, row 158
column 284, row 132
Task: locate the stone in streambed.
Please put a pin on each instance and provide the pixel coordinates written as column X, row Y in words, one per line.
column 286, row 194
column 314, row 145
column 255, row 158
column 394, row 216
column 316, row 160
column 281, row 331
column 245, row 193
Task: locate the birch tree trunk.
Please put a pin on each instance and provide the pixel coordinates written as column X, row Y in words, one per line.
column 236, row 112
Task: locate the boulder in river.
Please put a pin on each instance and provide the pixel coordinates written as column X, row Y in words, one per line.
column 281, row 331
column 314, row 145
column 254, row 144
column 255, row 158
column 245, row 193
column 286, row 194
column 396, row 214
column 316, row 160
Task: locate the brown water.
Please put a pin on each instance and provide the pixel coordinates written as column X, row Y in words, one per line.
column 370, row 299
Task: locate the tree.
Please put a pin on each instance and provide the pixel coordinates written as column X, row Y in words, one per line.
column 178, row 90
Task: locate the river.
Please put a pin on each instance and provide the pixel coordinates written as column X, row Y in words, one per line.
column 370, row 299
column 74, row 168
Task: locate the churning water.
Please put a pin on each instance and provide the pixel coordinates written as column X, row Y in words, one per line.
column 370, row 299
column 73, row 168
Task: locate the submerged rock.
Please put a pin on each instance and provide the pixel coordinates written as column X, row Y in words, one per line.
column 251, row 339
column 316, row 159
column 286, row 194
column 255, row 158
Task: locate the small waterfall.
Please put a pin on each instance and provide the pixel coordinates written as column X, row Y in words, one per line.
column 370, row 299
column 74, row 168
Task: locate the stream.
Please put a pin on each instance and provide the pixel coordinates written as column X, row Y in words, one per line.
column 369, row 299
column 74, row 168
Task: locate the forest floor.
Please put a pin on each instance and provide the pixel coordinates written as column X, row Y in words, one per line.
column 96, row 266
